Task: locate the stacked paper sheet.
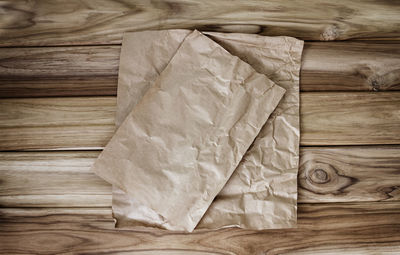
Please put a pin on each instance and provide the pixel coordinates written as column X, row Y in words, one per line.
column 208, row 131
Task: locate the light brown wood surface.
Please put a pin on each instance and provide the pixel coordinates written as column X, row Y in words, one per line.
column 340, row 118
column 93, row 70
column 63, row 179
column 51, row 179
column 47, row 22
column 349, row 118
column 322, row 229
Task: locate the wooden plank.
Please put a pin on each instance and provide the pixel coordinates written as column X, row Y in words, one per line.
column 88, row 122
column 59, row 71
column 79, row 22
column 344, row 174
column 93, row 70
column 51, row 179
column 345, row 66
column 56, row 123
column 63, row 179
column 350, row 118
column 322, row 229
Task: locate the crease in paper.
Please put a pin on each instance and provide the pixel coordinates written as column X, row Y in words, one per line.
column 262, row 192
column 174, row 156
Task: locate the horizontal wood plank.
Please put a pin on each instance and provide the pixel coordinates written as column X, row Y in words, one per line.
column 88, row 122
column 59, row 71
column 64, row 179
column 350, row 66
column 56, row 123
column 51, row 179
column 79, row 22
column 349, row 118
column 93, row 70
column 322, row 229
column 344, row 174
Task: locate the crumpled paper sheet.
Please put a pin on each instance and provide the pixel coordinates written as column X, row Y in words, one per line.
column 262, row 192
column 180, row 144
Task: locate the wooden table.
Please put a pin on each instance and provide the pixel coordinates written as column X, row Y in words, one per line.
column 58, row 78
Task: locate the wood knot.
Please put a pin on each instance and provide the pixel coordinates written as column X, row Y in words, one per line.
column 330, row 33
column 378, row 81
column 319, row 176
column 375, row 85
column 389, row 192
column 323, row 178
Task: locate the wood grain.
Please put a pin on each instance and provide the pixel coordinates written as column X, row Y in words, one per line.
column 93, row 70
column 88, row 122
column 345, row 66
column 59, row 71
column 64, row 179
column 56, row 123
column 350, row 118
column 79, row 22
column 51, row 179
column 349, row 196
column 344, row 174
column 322, row 229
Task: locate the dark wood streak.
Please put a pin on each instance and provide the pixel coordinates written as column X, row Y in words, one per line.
column 390, row 191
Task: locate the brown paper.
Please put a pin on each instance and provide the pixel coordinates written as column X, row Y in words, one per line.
column 262, row 192
column 179, row 145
